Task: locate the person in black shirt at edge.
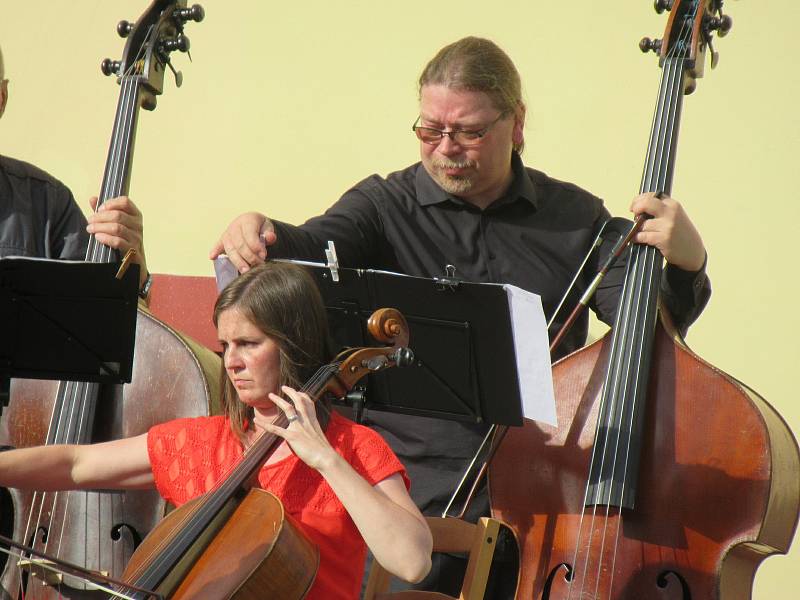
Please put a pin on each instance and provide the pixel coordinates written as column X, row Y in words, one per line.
column 472, row 203
column 40, row 218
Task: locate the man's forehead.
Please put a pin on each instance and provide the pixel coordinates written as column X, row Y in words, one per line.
column 438, row 102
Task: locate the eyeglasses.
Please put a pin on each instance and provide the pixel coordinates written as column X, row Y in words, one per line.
column 462, row 137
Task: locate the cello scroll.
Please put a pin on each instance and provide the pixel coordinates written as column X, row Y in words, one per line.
column 386, row 325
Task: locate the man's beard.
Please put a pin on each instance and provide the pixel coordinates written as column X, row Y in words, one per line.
column 456, row 185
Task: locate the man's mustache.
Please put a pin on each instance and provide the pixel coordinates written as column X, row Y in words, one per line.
column 439, row 163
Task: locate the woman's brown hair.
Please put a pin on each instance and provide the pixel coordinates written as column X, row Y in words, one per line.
column 282, row 300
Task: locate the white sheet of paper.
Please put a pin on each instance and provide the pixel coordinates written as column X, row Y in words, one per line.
column 532, row 349
column 224, row 271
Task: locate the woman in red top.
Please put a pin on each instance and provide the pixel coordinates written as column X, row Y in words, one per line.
column 339, row 480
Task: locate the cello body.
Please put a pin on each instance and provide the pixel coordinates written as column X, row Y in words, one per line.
column 236, row 541
column 718, row 486
column 172, row 376
column 274, row 558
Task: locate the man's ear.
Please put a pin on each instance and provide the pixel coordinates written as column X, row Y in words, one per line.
column 518, row 133
column 3, row 95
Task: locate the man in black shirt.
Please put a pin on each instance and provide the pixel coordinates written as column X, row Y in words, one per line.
column 40, row 218
column 472, row 203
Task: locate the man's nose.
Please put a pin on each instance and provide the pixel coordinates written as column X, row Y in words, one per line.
column 448, row 146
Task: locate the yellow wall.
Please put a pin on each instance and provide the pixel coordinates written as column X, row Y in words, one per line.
column 287, row 104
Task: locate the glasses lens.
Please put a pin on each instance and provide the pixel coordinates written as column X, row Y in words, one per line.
column 428, row 135
column 467, row 138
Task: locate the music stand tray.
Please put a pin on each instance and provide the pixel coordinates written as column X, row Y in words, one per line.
column 67, row 320
column 467, row 366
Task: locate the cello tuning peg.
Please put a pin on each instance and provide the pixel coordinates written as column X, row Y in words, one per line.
column 404, row 357
column 124, row 28
column 646, row 45
column 110, row 67
column 662, row 5
column 195, row 13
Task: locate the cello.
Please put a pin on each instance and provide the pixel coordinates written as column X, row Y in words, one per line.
column 665, row 478
column 101, row 530
column 236, row 541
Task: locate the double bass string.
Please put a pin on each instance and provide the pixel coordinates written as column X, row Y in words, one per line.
column 652, row 260
column 100, row 253
column 60, row 430
column 647, row 262
column 644, row 260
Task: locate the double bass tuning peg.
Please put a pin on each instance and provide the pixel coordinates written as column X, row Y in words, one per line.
column 662, row 5
column 110, row 67
column 179, row 42
column 178, row 74
column 647, row 45
column 722, row 25
column 124, row 28
column 195, row 13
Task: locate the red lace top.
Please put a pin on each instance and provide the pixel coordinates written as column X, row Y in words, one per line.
column 188, row 456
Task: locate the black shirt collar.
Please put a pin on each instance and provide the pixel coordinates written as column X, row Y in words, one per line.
column 429, row 192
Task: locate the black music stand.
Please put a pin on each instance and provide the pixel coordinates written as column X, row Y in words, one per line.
column 66, row 320
column 461, row 334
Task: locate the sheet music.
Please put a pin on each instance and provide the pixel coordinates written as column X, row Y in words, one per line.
column 532, row 349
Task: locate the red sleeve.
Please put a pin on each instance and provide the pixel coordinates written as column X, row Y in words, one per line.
column 189, row 456
column 372, row 457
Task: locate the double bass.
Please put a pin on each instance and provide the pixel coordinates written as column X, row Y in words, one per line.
column 172, row 376
column 665, row 478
